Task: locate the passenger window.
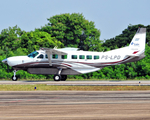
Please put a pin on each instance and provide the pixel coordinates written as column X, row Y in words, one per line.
column 89, row 57
column 63, row 56
column 41, row 56
column 46, row 56
column 74, row 56
column 81, row 57
column 55, row 56
column 96, row 57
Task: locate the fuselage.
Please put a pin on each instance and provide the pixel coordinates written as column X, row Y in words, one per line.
column 74, row 62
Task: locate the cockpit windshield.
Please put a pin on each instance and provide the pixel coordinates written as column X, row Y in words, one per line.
column 33, row 54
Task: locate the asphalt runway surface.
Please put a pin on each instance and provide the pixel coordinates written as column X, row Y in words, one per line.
column 81, row 83
column 75, row 105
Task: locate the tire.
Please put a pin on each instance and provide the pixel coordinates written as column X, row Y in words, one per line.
column 63, row 77
column 57, row 77
column 14, row 78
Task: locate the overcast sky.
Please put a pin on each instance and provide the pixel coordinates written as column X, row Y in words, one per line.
column 111, row 17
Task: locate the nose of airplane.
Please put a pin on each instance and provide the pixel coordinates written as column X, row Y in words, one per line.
column 16, row 60
column 11, row 61
column 4, row 61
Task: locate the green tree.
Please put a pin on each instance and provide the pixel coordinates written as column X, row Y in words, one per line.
column 35, row 39
column 124, row 38
column 9, row 39
column 73, row 30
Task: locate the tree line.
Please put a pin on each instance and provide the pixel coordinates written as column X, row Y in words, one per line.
column 72, row 30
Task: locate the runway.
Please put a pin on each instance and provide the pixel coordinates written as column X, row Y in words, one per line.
column 73, row 105
column 81, row 83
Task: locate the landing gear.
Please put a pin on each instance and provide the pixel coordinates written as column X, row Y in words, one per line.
column 14, row 77
column 63, row 77
column 59, row 77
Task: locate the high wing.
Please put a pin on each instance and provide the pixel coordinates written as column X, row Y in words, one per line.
column 49, row 52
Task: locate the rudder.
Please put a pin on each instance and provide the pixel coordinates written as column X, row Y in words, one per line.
column 137, row 45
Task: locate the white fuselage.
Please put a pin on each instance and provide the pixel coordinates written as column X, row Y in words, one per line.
column 79, row 61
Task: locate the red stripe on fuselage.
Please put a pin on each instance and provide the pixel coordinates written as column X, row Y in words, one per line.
column 66, row 65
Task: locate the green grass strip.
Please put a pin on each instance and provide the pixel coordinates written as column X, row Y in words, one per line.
column 43, row 87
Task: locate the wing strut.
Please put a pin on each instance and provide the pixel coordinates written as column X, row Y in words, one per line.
column 49, row 52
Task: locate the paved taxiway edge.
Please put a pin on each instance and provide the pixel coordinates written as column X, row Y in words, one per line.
column 79, row 83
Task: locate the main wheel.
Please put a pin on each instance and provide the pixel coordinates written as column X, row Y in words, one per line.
column 57, row 77
column 14, row 78
column 63, row 77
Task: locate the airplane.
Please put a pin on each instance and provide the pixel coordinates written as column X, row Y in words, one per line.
column 71, row 61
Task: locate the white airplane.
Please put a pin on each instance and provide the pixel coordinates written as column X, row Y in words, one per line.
column 71, row 61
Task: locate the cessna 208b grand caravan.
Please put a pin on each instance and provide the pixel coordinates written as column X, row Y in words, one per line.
column 70, row 61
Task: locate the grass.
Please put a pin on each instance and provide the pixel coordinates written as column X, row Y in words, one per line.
column 43, row 87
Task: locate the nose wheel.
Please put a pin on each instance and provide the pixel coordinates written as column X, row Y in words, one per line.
column 14, row 77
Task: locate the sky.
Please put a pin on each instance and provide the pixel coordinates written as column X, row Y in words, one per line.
column 111, row 17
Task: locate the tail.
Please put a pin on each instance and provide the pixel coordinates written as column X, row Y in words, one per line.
column 137, row 45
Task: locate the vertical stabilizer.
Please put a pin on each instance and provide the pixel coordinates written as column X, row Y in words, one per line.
column 137, row 45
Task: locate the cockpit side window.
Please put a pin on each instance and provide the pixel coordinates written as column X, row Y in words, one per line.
column 41, row 56
column 33, row 54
